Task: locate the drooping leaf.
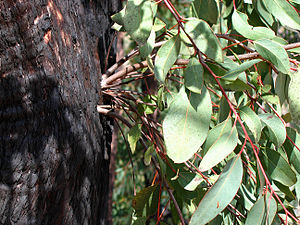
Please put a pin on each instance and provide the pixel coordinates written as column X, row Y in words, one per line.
column 166, row 56
column 134, row 135
column 187, row 122
column 193, row 76
column 294, row 96
column 265, row 16
column 284, row 12
column 147, row 48
column 206, row 10
column 233, row 74
column 220, row 194
column 278, row 168
column 224, row 109
column 276, row 128
column 292, row 151
column 148, row 155
column 263, row 211
column 204, row 38
column 141, row 199
column 240, row 24
column 221, row 141
column 273, row 52
column 252, row 121
column 281, row 86
column 138, row 20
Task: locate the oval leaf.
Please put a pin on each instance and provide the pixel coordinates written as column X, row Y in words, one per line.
column 186, row 124
column 166, row 56
column 277, row 132
column 193, row 76
column 220, row 194
column 252, row 121
column 205, row 39
column 221, row 141
column 138, row 20
column 206, row 10
column 273, row 52
column 240, row 24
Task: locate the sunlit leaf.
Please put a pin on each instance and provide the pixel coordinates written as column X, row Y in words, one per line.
column 234, row 72
column 252, row 121
column 273, row 52
column 166, row 56
column 284, row 12
column 241, row 25
column 220, row 194
column 292, row 151
column 205, row 39
column 193, row 76
column 187, row 122
column 138, row 20
column 278, row 168
column 147, row 48
column 276, row 128
column 221, row 141
column 263, row 211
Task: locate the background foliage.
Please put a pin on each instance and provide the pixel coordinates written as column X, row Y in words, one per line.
column 210, row 102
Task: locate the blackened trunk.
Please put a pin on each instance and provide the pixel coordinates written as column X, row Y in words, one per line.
column 54, row 154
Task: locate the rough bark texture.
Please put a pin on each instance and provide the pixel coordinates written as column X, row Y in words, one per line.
column 54, row 154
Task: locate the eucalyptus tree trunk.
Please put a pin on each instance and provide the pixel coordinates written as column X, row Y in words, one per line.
column 54, row 146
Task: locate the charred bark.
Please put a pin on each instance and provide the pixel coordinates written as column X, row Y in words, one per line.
column 54, row 147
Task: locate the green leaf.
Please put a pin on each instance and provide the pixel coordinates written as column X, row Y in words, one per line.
column 118, row 17
column 220, row 194
column 294, row 96
column 147, row 48
column 206, row 10
column 273, row 52
column 148, row 155
column 141, row 199
column 265, row 16
column 158, row 24
column 292, row 152
column 205, row 39
column 281, row 86
column 233, row 74
column 284, row 12
column 278, row 168
column 133, row 136
column 166, row 57
column 186, row 124
column 272, row 99
column 221, row 141
column 252, row 121
column 193, row 76
column 138, row 20
column 263, row 211
column 240, row 24
column 276, row 128
column 140, row 221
